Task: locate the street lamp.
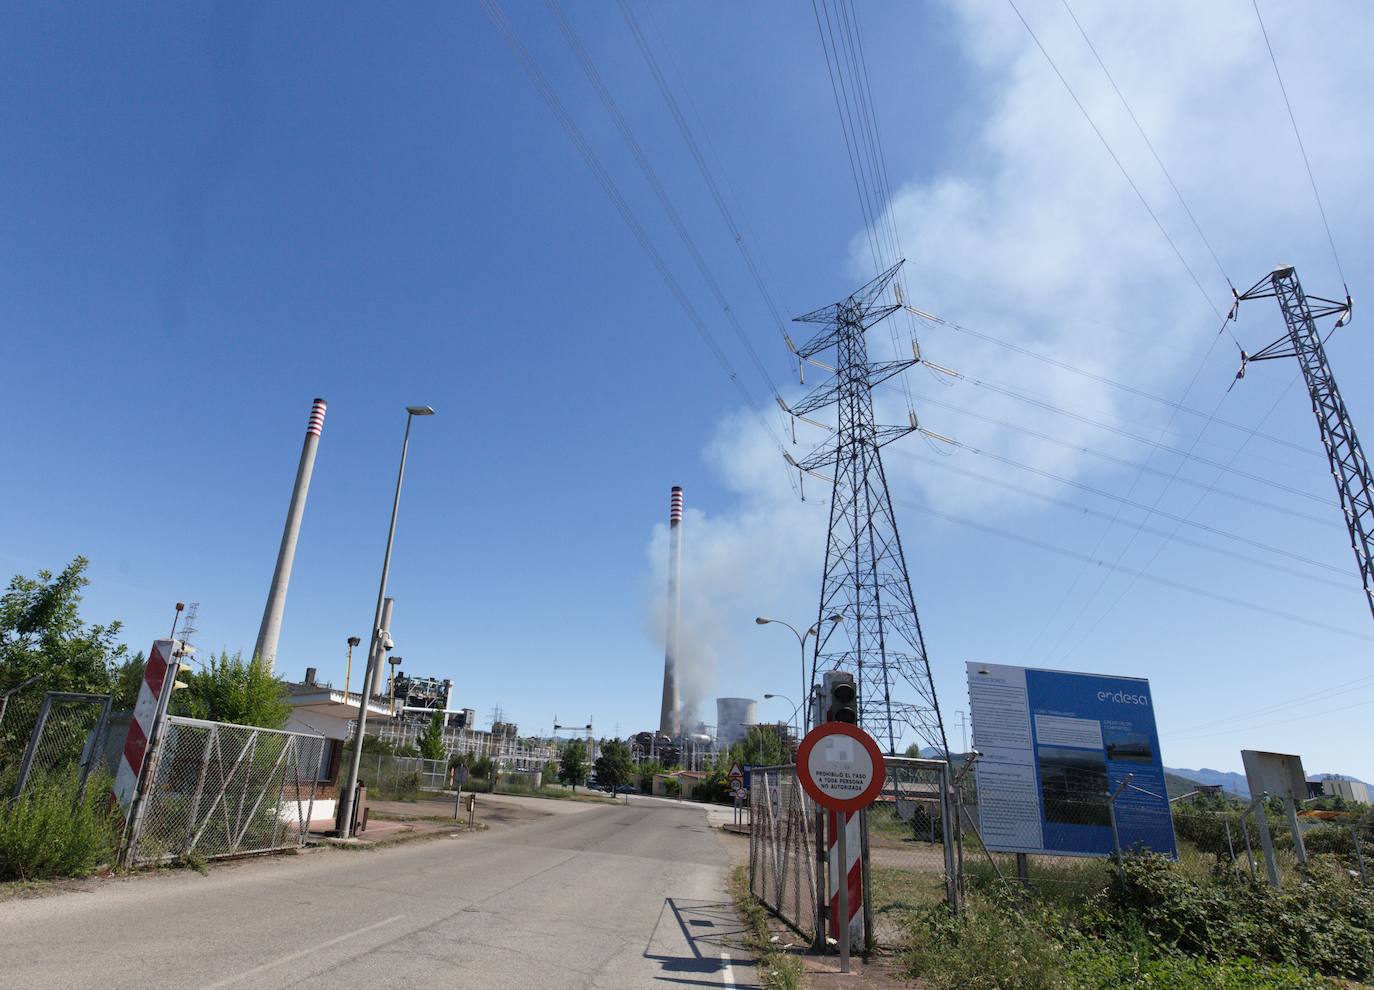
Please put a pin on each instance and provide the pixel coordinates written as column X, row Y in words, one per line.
column 791, row 719
column 801, row 641
column 348, row 665
column 373, row 654
column 395, row 662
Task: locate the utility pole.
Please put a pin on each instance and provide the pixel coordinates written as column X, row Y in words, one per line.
column 1349, row 469
column 865, row 578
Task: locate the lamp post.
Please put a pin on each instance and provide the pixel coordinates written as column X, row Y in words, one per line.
column 373, row 655
column 348, row 664
column 791, row 719
column 395, row 662
column 801, row 641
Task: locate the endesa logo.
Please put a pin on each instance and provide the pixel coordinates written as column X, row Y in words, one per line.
column 1123, row 698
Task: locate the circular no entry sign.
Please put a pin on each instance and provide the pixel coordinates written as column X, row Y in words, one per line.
column 840, row 766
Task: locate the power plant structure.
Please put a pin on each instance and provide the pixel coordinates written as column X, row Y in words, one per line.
column 733, row 718
column 269, row 632
column 670, row 715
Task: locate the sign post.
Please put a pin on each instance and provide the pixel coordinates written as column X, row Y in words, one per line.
column 841, row 768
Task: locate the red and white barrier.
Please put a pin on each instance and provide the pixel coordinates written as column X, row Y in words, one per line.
column 158, row 676
column 853, row 847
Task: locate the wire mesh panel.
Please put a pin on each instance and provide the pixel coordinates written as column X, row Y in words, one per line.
column 217, row 789
column 18, row 715
column 911, row 863
column 782, row 847
column 66, row 734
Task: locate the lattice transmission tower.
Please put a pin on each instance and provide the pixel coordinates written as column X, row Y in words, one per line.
column 865, row 578
column 1354, row 482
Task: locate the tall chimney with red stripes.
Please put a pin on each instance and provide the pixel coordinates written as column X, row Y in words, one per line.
column 670, row 718
column 269, row 632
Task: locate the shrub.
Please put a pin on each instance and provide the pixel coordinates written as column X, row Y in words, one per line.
column 1325, row 924
column 50, row 832
column 985, row 948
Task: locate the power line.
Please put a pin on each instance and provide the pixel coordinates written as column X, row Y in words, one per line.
column 931, row 319
column 985, row 479
column 1284, row 721
column 1146, row 138
column 1288, row 703
column 536, row 75
column 1139, row 474
column 1166, row 582
column 1301, row 147
column 651, row 176
column 1160, row 549
column 1224, row 468
column 1125, row 174
column 1127, row 502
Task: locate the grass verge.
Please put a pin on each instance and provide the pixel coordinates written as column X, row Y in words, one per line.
column 777, row 970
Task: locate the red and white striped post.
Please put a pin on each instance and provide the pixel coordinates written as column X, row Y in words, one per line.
column 853, row 848
column 159, row 676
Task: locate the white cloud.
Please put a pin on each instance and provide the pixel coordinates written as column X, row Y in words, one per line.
column 1035, row 237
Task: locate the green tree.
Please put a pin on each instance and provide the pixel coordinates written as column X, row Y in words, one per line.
column 432, row 741
column 572, row 764
column 614, row 766
column 764, row 747
column 42, row 635
column 228, row 689
column 126, row 681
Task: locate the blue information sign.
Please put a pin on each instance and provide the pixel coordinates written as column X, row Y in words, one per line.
column 1054, row 745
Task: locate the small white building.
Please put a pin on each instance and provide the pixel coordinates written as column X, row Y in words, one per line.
column 327, row 711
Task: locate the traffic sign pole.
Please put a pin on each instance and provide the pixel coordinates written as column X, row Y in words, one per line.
column 842, row 819
column 841, row 768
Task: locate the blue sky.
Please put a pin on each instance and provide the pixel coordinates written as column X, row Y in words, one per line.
column 215, row 213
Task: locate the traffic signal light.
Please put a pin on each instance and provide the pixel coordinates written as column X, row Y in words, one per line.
column 841, row 698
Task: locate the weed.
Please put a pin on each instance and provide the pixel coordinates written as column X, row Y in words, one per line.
column 55, row 830
column 777, row 970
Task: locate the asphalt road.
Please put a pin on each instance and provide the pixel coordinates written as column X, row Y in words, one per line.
column 602, row 897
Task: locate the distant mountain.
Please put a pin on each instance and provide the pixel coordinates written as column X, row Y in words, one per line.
column 1232, row 783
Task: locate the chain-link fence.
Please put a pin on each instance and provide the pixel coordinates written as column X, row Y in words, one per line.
column 911, row 850
column 215, row 789
column 51, row 733
column 782, row 847
column 909, row 832
column 401, row 778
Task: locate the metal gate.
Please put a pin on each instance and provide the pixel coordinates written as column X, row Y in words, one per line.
column 782, row 847
column 215, row 789
column 910, row 847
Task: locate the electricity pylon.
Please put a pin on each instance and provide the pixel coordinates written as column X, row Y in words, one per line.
column 1354, row 482
column 865, row 578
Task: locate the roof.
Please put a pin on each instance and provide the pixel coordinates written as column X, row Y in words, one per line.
column 325, row 700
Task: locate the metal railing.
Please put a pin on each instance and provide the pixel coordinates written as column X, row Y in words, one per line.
column 214, row 789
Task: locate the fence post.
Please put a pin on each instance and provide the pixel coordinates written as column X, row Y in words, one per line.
column 1299, row 847
column 211, row 735
column 1266, row 840
column 822, row 863
column 1116, row 834
column 97, row 745
column 1249, row 852
column 947, row 797
column 1359, row 856
column 32, row 748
